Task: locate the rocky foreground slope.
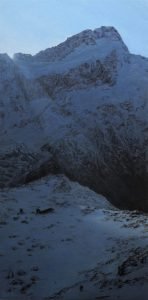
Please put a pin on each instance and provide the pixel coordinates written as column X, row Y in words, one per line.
column 62, row 241
column 80, row 109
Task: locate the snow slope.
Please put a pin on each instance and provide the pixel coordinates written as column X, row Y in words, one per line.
column 60, row 240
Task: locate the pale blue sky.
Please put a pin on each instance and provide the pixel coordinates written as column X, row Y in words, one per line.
column 29, row 26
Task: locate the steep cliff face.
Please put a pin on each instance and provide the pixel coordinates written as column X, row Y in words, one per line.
column 20, row 103
column 18, row 98
column 89, row 97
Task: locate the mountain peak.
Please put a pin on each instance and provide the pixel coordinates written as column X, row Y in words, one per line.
column 90, row 36
column 107, row 31
column 4, row 57
column 86, row 37
column 102, row 32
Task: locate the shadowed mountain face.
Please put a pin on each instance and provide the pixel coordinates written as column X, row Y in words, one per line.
column 81, row 109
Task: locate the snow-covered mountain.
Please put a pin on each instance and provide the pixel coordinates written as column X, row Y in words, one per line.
column 81, row 109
